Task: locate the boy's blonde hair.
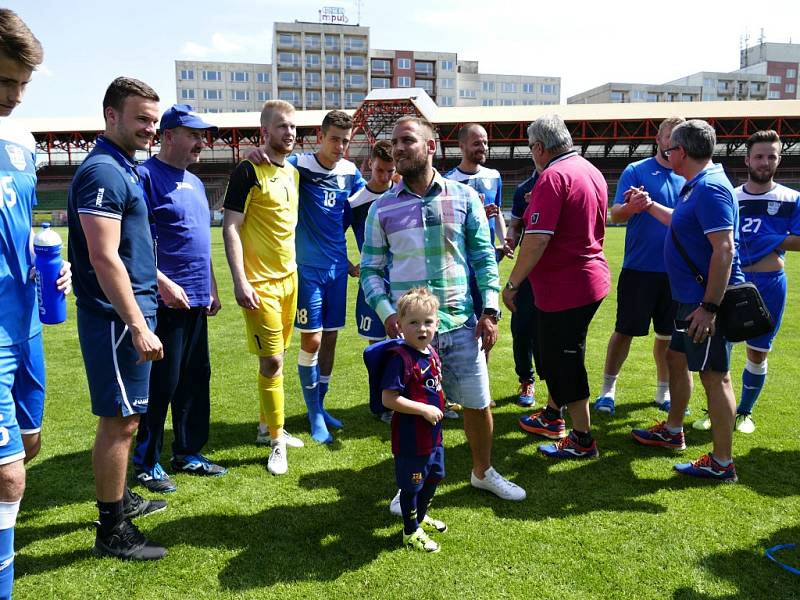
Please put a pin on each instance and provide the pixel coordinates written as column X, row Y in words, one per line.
column 419, row 297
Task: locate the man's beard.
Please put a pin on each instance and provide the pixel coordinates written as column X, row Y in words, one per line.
column 415, row 167
column 758, row 178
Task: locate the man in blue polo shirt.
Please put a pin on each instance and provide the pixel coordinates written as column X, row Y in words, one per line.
column 705, row 223
column 111, row 249
column 187, row 296
column 643, row 292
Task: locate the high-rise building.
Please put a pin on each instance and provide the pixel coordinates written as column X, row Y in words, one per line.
column 780, row 63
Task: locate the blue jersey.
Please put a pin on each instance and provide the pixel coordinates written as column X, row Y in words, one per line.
column 486, row 182
column 644, row 235
column 765, row 220
column 359, row 207
column 321, row 219
column 520, row 203
column 19, row 316
column 706, row 205
column 179, row 206
column 107, row 185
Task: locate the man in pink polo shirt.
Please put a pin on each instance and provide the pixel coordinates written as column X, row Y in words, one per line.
column 562, row 255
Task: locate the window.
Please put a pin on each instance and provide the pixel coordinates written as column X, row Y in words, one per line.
column 447, row 65
column 755, row 88
column 288, row 39
column 313, row 99
column 331, row 42
column 354, row 62
column 773, row 95
column 652, row 97
column 789, row 88
column 404, row 82
column 289, row 96
column 332, row 61
column 312, row 41
column 187, row 94
column 447, row 84
column 425, row 84
column 381, row 66
column 313, row 60
column 213, row 110
column 355, row 81
column 791, row 73
column 722, row 86
column 445, row 101
column 708, row 82
column 381, row 83
column 263, row 77
column 687, row 98
column 487, row 102
column 331, row 80
column 355, row 43
column 353, row 99
column 240, row 95
column 616, row 97
column 527, row 88
column 332, row 99
column 212, row 94
column 288, row 59
column 404, row 63
column 508, row 88
column 263, row 96
column 212, row 76
column 708, row 97
column 424, row 69
column 638, row 94
column 548, row 88
column 187, row 74
column 239, row 76
column 313, row 79
column 288, row 78
column 775, row 79
column 467, row 94
column 506, row 102
column 672, row 97
column 487, row 86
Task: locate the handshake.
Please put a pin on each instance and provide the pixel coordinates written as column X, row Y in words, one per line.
column 637, row 199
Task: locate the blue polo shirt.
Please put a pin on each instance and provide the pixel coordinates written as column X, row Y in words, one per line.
column 107, row 185
column 178, row 202
column 644, row 235
column 706, row 205
column 520, row 205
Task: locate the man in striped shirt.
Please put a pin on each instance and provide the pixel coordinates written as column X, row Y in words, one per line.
column 429, row 231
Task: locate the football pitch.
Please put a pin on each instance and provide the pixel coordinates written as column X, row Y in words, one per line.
column 622, row 526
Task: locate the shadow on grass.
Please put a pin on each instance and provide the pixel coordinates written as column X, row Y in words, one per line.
column 760, row 578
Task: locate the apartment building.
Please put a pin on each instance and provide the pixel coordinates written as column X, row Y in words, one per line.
column 735, row 85
column 223, row 87
column 780, row 63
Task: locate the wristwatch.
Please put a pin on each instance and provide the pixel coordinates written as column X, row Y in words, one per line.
column 492, row 313
column 710, row 307
column 511, row 287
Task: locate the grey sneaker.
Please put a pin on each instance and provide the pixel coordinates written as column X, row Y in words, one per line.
column 133, row 505
column 497, row 484
column 264, row 439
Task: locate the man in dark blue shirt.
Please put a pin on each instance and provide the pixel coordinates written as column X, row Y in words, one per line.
column 111, row 249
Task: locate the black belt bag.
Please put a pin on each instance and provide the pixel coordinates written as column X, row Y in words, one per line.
column 742, row 314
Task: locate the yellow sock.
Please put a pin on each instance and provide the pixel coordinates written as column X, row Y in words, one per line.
column 270, row 393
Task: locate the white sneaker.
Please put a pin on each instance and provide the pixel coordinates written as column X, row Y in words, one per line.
column 277, row 464
column 494, row 482
column 394, row 505
column 263, row 439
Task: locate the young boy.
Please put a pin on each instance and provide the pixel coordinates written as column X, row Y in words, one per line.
column 411, row 387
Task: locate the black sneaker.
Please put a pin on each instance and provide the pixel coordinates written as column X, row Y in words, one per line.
column 126, row 542
column 133, row 505
column 155, row 479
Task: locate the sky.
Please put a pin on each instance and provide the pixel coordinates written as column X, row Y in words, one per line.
column 88, row 43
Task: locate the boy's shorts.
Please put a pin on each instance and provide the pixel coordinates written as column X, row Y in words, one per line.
column 411, row 472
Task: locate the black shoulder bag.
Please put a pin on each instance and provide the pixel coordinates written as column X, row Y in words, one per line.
column 742, row 314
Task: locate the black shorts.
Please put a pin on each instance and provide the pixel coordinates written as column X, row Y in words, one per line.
column 643, row 296
column 561, row 350
column 713, row 354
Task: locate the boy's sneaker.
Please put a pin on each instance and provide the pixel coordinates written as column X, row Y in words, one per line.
column 197, row 464
column 707, row 468
column 569, row 448
column 133, row 505
column 431, row 524
column 155, row 479
column 497, row 484
column 419, row 540
column 264, row 439
column 126, row 542
column 527, row 394
column 659, row 435
column 277, row 463
column 386, row 416
column 604, row 404
column 451, row 410
column 394, row 505
column 538, row 424
column 703, row 423
column 745, row 424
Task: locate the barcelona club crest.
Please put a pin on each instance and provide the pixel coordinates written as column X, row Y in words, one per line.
column 16, row 156
column 416, row 478
column 773, row 207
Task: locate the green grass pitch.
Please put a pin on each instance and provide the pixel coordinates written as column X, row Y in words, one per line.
column 623, row 526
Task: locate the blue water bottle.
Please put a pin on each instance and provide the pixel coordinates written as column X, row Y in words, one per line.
column 52, row 302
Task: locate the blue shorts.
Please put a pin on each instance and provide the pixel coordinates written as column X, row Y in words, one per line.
column 321, row 298
column 411, row 472
column 21, row 396
column 465, row 378
column 714, row 354
column 773, row 290
column 117, row 385
column 367, row 320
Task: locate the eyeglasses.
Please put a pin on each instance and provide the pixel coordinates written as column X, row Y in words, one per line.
column 668, row 150
column 532, row 144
